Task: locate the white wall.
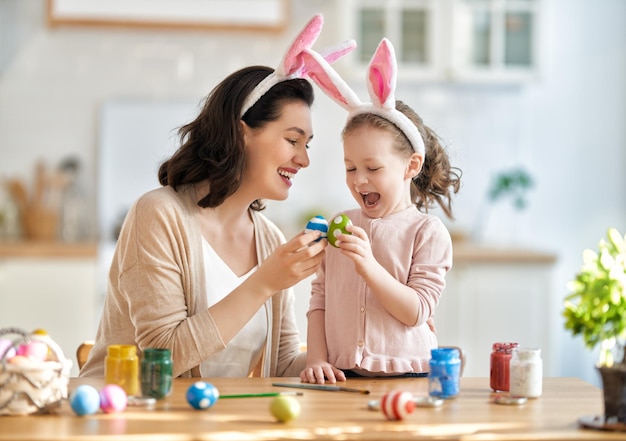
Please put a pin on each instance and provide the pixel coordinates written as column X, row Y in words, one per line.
column 567, row 129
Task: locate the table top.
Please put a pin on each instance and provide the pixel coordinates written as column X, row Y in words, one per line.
column 328, row 415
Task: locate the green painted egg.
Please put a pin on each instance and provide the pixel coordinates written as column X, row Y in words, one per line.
column 338, row 226
column 285, row 408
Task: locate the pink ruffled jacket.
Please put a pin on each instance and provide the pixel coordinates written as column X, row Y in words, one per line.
column 416, row 249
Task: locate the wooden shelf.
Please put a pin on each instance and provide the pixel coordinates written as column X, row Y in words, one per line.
column 468, row 252
column 47, row 249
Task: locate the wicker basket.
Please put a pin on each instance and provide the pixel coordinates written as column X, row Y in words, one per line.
column 33, row 388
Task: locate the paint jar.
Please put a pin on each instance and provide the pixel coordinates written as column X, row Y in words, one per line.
column 121, row 367
column 445, row 373
column 526, row 372
column 499, row 366
column 156, row 373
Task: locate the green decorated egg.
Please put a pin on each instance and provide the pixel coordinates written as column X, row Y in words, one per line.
column 338, row 226
column 285, row 408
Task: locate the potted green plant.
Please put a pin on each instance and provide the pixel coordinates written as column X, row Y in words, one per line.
column 513, row 185
column 596, row 310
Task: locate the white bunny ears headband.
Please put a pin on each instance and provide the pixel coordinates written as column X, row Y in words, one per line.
column 292, row 64
column 381, row 85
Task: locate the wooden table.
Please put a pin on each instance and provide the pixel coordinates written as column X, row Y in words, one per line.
column 328, row 415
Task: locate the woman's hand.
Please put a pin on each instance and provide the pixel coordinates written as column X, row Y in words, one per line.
column 321, row 371
column 292, row 261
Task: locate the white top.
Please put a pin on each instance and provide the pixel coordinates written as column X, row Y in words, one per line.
column 246, row 348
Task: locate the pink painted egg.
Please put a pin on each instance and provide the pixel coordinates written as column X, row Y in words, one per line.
column 35, row 349
column 396, row 405
column 113, row 399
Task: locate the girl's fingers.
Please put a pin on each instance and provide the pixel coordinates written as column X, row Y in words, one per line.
column 339, row 374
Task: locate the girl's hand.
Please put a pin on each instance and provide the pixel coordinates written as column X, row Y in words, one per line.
column 357, row 247
column 431, row 324
column 320, row 372
column 292, row 262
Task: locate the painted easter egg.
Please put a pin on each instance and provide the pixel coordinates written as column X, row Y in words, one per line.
column 41, row 332
column 336, row 227
column 285, row 408
column 202, row 395
column 317, row 223
column 44, row 334
column 85, row 400
column 396, row 405
column 36, row 350
column 6, row 349
column 113, row 398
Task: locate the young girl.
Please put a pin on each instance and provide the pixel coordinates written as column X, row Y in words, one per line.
column 375, row 293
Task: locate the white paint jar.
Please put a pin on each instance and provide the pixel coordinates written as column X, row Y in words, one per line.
column 526, row 370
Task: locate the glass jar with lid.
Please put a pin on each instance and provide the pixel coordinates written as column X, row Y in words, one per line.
column 499, row 366
column 445, row 373
column 526, row 372
column 121, row 367
column 156, row 372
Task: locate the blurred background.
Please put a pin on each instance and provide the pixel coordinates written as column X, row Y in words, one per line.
column 528, row 96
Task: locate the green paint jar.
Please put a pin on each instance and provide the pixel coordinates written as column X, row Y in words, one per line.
column 156, row 373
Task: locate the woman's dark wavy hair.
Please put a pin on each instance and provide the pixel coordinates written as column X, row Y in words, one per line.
column 437, row 180
column 212, row 145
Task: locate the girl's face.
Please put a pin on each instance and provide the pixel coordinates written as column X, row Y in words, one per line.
column 378, row 175
column 276, row 152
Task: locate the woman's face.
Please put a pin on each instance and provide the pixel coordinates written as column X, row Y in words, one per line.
column 378, row 176
column 277, row 151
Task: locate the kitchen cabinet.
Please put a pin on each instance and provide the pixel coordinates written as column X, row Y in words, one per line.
column 449, row 40
column 496, row 295
column 50, row 286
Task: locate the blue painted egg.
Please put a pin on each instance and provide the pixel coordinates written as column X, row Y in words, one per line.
column 338, row 226
column 85, row 400
column 317, row 223
column 202, row 395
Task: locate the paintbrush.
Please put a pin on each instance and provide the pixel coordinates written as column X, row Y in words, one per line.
column 323, row 387
column 258, row 395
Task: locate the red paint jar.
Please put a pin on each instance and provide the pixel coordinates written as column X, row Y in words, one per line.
column 499, row 366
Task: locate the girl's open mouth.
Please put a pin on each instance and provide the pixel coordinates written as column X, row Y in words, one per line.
column 370, row 199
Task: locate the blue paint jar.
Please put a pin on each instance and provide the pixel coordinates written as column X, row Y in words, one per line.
column 445, row 373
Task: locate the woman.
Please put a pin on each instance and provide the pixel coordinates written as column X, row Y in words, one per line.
column 197, row 268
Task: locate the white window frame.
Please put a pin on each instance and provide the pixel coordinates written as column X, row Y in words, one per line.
column 430, row 69
column 461, row 67
column 448, row 35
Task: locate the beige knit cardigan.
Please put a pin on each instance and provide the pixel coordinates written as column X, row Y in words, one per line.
column 156, row 294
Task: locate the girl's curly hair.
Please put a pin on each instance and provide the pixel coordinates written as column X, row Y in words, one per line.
column 438, row 180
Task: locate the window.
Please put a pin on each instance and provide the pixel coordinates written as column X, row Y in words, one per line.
column 495, row 39
column 460, row 40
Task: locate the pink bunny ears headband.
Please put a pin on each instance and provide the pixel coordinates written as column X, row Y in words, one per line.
column 292, row 64
column 381, row 86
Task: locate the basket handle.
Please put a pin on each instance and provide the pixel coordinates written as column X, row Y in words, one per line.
column 26, row 337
